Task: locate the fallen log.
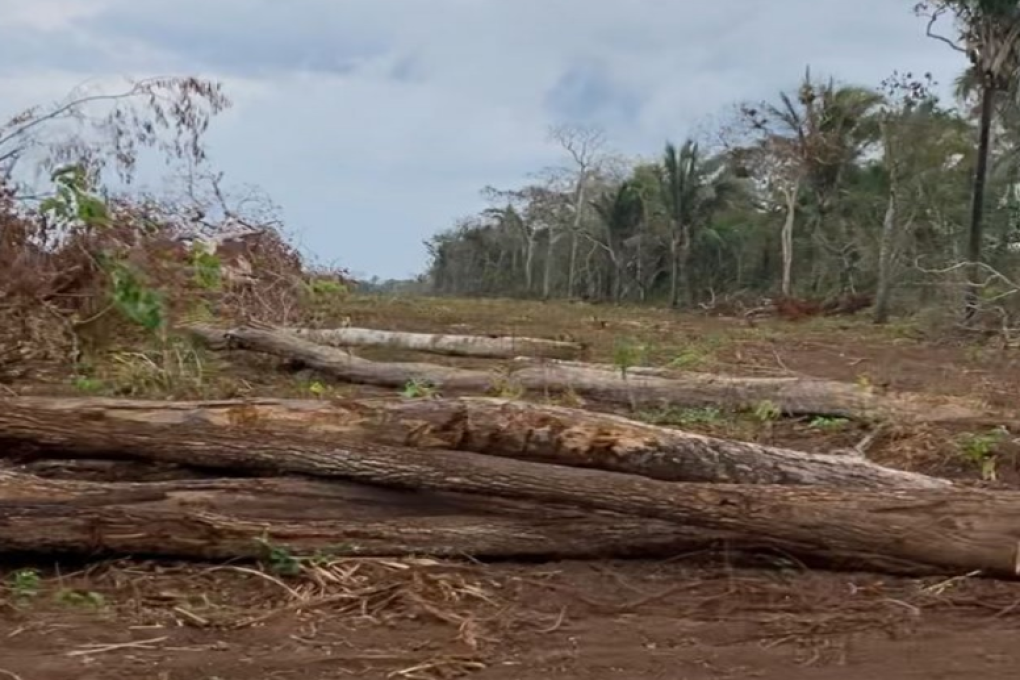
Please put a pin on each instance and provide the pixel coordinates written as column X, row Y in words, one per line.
column 453, row 345
column 237, row 518
column 514, row 429
column 891, row 530
column 792, row 396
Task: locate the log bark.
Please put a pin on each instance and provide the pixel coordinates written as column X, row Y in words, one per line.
column 512, row 429
column 230, row 518
column 891, row 530
column 452, row 345
column 793, row 396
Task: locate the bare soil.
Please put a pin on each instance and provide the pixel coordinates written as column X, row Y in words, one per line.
column 693, row 617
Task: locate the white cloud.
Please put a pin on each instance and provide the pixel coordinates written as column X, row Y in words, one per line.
column 375, row 122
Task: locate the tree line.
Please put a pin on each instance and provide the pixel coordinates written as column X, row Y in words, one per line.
column 826, row 189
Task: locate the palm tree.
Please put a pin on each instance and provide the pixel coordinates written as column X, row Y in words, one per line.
column 694, row 188
column 989, row 34
column 810, row 138
column 622, row 212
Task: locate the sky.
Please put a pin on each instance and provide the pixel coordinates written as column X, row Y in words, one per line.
column 376, row 123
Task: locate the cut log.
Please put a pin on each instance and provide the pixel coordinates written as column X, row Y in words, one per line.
column 521, row 430
column 891, row 530
column 226, row 519
column 453, row 345
column 792, row 396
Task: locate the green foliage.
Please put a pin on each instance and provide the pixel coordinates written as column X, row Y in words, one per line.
column 981, row 449
column 627, row 354
column 80, row 598
column 207, row 268
column 132, row 297
column 766, row 411
column 280, row 560
column 25, row 583
column 419, row 389
column 74, row 200
column 88, row 384
column 319, row 288
column 828, row 423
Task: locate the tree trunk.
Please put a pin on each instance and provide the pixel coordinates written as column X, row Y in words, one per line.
column 550, row 252
column 572, row 266
column 244, row 518
column 787, row 238
column 529, row 264
column 895, row 531
column 883, row 291
column 976, row 234
column 793, row 396
column 454, row 345
column 674, row 273
column 509, row 429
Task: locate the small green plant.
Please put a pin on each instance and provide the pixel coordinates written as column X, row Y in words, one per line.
column 87, row 384
column 80, row 598
column 207, row 268
column 981, row 450
column 25, row 583
column 828, row 423
column 131, row 297
column 74, row 202
column 318, row 287
column 280, row 560
column 317, row 389
column 690, row 358
column 765, row 411
column 417, row 388
column 627, row 354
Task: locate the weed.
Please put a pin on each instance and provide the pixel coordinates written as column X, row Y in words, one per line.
column 627, row 354
column 25, row 583
column 317, row 389
column 419, row 389
column 980, row 449
column 828, row 423
column 88, row 385
column 173, row 368
column 80, row 598
column 281, row 561
column 765, row 411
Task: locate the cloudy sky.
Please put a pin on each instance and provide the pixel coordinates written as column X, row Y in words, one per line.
column 374, row 123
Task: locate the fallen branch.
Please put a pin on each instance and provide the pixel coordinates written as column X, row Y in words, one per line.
column 455, row 345
column 792, row 396
column 512, row 429
column 895, row 531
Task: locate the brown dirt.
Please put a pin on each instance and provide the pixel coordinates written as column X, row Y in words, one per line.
column 694, row 617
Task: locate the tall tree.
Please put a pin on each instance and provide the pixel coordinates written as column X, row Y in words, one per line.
column 621, row 212
column 812, row 136
column 988, row 32
column 694, row 188
column 586, row 147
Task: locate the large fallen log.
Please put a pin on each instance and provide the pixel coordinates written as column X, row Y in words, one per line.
column 237, row 518
column 514, row 429
column 793, row 396
column 891, row 530
column 454, row 345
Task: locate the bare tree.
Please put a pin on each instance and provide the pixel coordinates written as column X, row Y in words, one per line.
column 586, row 147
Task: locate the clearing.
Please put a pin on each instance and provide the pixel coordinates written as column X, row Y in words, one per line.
column 696, row 616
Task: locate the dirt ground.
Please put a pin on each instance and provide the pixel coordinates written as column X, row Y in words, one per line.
column 692, row 617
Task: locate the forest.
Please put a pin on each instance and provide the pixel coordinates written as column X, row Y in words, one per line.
column 828, row 188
